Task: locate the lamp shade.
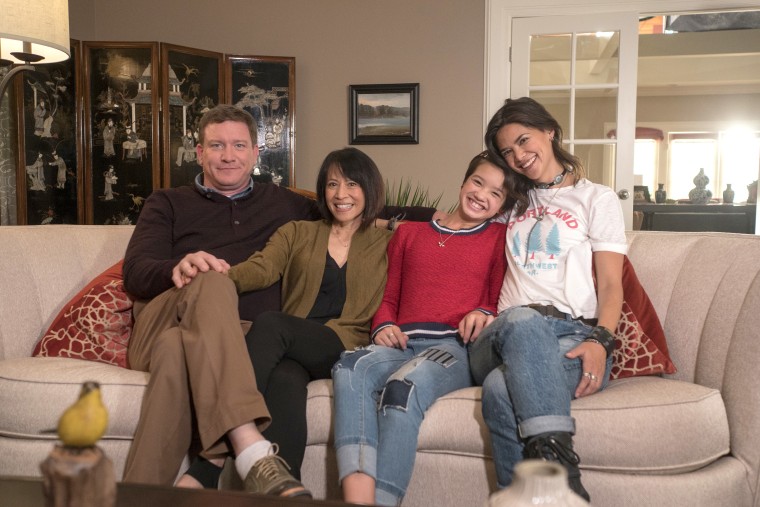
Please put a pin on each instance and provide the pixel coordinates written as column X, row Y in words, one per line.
column 42, row 23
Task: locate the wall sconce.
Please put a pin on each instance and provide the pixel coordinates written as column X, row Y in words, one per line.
column 32, row 31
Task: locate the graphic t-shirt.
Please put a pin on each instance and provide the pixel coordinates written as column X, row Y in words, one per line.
column 549, row 248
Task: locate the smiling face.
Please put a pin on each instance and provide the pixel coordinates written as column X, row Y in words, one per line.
column 482, row 194
column 227, row 156
column 344, row 198
column 528, row 151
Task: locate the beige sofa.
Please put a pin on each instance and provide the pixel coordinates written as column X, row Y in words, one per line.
column 689, row 439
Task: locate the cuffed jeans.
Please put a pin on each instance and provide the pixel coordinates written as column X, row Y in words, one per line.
column 381, row 395
column 527, row 381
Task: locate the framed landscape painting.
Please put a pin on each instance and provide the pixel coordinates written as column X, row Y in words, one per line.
column 265, row 86
column 384, row 113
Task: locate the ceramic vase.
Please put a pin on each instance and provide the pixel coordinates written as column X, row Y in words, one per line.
column 700, row 194
column 537, row 482
column 728, row 194
column 660, row 195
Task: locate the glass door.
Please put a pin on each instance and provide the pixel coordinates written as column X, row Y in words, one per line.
column 583, row 70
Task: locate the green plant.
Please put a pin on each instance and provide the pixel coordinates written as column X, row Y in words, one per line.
column 404, row 196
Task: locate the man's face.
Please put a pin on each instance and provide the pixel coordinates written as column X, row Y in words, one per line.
column 227, row 155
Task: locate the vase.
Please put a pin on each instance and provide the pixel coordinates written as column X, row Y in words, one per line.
column 660, row 195
column 537, row 482
column 728, row 194
column 700, row 194
column 752, row 189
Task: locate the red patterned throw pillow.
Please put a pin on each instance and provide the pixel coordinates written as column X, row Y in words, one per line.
column 640, row 347
column 95, row 324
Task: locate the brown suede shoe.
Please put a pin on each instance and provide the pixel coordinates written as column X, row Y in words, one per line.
column 270, row 476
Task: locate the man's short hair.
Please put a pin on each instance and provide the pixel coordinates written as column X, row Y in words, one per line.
column 226, row 112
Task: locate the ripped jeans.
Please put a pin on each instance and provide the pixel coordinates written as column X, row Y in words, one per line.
column 381, row 395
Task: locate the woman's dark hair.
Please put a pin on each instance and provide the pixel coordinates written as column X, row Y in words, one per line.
column 528, row 113
column 354, row 165
column 482, row 158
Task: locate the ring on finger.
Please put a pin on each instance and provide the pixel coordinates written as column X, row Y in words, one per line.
column 588, row 374
column 593, row 377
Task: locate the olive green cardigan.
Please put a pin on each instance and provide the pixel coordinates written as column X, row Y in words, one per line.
column 297, row 252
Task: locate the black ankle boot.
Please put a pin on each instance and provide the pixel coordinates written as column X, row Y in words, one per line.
column 558, row 446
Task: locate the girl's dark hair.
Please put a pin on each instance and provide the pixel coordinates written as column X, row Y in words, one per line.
column 482, row 158
column 528, row 113
column 354, row 165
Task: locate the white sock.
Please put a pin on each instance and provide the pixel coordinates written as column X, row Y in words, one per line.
column 250, row 455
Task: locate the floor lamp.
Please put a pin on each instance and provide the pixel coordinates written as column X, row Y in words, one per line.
column 32, row 31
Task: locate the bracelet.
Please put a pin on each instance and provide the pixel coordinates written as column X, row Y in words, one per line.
column 603, row 337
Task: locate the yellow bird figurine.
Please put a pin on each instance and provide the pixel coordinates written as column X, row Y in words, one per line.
column 84, row 422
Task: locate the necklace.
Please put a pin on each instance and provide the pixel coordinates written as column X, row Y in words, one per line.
column 556, row 181
column 441, row 241
column 341, row 241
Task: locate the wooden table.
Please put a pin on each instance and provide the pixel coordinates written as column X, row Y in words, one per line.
column 698, row 217
column 27, row 492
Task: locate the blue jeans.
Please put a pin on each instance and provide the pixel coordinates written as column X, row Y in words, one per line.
column 381, row 395
column 527, row 381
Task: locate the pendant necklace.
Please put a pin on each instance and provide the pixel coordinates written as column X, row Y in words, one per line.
column 441, row 241
column 337, row 236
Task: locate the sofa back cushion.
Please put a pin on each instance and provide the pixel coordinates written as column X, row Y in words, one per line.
column 45, row 266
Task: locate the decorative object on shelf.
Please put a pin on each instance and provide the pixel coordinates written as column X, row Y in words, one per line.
column 700, row 194
column 384, row 113
column 728, row 194
column 537, row 482
column 752, row 189
column 660, row 195
column 641, row 193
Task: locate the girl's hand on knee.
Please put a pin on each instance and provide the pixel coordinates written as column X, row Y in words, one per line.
column 472, row 324
column 593, row 358
column 391, row 336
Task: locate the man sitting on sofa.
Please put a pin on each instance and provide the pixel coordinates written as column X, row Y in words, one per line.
column 189, row 336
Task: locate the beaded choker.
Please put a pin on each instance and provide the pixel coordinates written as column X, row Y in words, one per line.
column 556, row 181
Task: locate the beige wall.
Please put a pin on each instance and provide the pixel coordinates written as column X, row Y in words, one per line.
column 336, row 43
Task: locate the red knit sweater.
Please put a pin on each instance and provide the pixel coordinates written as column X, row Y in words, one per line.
column 431, row 288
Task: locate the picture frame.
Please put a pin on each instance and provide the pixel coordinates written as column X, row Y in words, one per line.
column 265, row 86
column 50, row 143
column 121, row 124
column 192, row 82
column 384, row 113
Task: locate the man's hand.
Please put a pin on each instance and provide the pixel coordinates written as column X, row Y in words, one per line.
column 391, row 336
column 194, row 263
column 472, row 324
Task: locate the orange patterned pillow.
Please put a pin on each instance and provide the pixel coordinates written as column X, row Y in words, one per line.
column 640, row 347
column 95, row 324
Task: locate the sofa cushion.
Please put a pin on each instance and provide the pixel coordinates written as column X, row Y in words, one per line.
column 95, row 324
column 642, row 425
column 41, row 388
column 651, row 425
column 640, row 347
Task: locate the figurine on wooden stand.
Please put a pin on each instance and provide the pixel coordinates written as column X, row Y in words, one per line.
column 78, row 473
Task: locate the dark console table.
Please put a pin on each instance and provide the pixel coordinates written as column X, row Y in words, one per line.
column 698, row 217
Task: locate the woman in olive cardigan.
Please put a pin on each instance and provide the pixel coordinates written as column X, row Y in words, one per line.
column 332, row 275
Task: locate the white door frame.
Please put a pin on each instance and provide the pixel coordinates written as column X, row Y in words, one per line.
column 498, row 34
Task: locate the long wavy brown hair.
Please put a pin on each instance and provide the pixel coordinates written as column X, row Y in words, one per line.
column 528, row 113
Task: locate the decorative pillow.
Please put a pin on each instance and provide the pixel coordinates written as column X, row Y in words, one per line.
column 95, row 324
column 640, row 347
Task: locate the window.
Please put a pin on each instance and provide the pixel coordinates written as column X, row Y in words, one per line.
column 688, row 154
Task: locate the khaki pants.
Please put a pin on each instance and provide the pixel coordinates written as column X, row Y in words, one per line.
column 192, row 342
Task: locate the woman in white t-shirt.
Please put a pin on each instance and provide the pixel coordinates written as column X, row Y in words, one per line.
column 552, row 340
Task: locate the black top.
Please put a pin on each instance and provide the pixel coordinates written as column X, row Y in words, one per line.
column 332, row 293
